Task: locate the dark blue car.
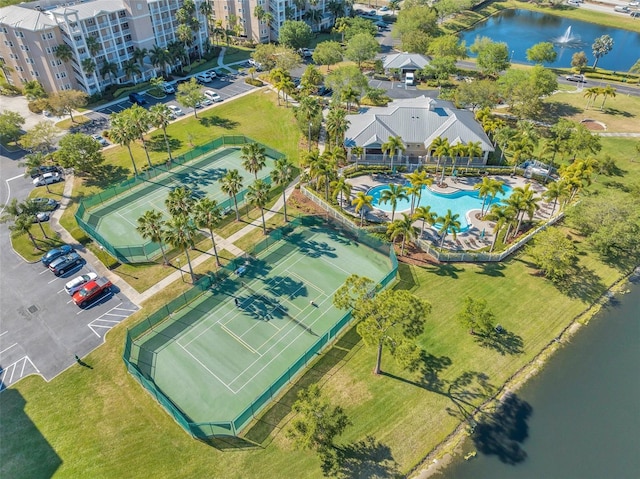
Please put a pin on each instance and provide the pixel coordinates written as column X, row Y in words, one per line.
column 49, row 256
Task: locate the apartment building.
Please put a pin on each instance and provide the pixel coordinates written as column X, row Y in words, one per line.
column 240, row 13
column 103, row 37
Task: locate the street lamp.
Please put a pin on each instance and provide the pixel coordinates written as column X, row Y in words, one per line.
column 511, row 57
column 309, row 137
column 180, row 268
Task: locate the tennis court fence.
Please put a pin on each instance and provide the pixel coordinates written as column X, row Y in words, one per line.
column 90, row 209
column 140, row 361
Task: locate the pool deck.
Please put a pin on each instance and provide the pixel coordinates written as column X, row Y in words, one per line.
column 480, row 233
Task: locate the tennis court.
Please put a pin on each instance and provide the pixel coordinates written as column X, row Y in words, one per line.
column 223, row 356
column 116, row 220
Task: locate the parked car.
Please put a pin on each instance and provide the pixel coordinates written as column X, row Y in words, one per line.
column 100, row 139
column 203, row 78
column 621, row 9
column 41, row 170
column 55, row 253
column 168, row 88
column 305, row 52
column 575, row 77
column 137, row 98
column 255, row 64
column 78, row 282
column 205, row 102
column 45, row 204
column 574, row 3
column 212, row 73
column 91, row 290
column 65, row 263
column 633, row 4
column 176, row 110
column 212, row 95
column 47, row 179
column 41, row 217
column 635, row 14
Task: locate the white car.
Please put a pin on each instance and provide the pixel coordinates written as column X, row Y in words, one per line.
column 76, row 283
column 176, row 110
column 212, row 95
column 203, row 78
column 211, row 73
column 47, row 179
column 100, row 140
column 633, row 4
column 168, row 88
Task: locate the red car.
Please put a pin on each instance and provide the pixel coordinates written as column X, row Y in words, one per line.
column 91, row 291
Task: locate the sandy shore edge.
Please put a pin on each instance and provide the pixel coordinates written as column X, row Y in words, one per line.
column 444, row 453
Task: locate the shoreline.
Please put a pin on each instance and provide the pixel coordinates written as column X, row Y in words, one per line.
column 445, row 452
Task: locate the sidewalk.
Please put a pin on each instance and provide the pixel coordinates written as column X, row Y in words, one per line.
column 126, row 288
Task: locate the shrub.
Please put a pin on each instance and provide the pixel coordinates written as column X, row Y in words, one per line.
column 254, row 82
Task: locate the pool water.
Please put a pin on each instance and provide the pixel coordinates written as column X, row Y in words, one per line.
column 459, row 202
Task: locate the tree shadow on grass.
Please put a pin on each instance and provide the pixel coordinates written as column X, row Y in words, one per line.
column 361, row 459
column 504, row 342
column 106, row 175
column 449, row 269
column 616, row 185
column 495, row 270
column 502, row 432
column 554, row 111
column 220, row 122
column 616, row 112
column 406, row 276
column 582, row 283
column 157, row 143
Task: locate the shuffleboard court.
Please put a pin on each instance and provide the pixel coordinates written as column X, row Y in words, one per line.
column 117, row 219
column 215, row 356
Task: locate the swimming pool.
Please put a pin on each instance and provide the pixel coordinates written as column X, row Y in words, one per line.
column 459, row 202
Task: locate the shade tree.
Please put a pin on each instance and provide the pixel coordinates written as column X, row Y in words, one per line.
column 553, row 253
column 476, row 315
column 492, row 57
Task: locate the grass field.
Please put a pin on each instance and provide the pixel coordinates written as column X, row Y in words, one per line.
column 241, row 336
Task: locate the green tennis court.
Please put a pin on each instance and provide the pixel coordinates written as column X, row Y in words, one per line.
column 223, row 356
column 116, row 220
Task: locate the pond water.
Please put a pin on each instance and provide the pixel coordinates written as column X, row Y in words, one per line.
column 585, row 414
column 459, row 202
column 521, row 29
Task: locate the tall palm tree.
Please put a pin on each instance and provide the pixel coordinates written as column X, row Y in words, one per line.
column 63, row 52
column 350, row 96
column 180, row 202
column 178, row 233
column 89, row 68
column 393, row 195
column 484, row 190
column 496, row 187
column 150, row 226
column 556, row 190
column 526, row 202
column 362, row 203
column 231, row 184
column 503, row 138
column 139, row 120
column 607, row 91
column 402, row 227
column 206, row 10
column 420, row 179
column 131, row 69
column 435, row 147
column 474, row 150
column 336, row 125
column 591, row 94
column 258, row 195
column 501, row 215
column 357, row 151
column 312, row 160
column 448, row 224
column 341, row 187
column 425, row 214
column 160, row 117
column 139, row 54
column 413, row 191
column 121, row 133
column 443, row 149
column 160, row 57
column 392, row 146
column 22, row 225
column 185, row 35
column 207, row 214
column 253, row 158
column 281, row 175
column 326, row 170
column 109, row 69
column 93, row 45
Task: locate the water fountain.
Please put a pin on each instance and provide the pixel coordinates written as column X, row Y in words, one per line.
column 567, row 37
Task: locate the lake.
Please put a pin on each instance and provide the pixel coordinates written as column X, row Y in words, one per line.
column 521, row 29
column 585, row 407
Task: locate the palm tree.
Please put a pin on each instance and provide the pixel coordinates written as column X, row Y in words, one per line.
column 160, row 117
column 350, row 96
column 207, row 12
column 526, row 202
column 178, row 233
column 268, row 20
column 425, row 214
column 312, row 160
column 207, row 214
column 314, row 17
column 484, row 190
column 392, row 146
column 325, row 169
column 474, row 149
column 413, row 191
column 607, row 91
column 253, row 158
column 160, row 57
column 337, row 125
column 185, row 35
column 131, row 69
column 341, row 187
column 139, row 54
column 402, row 227
column 357, row 151
column 150, row 227
column 503, row 137
column 89, row 68
column 180, row 202
column 63, row 52
column 555, row 191
column 393, row 195
column 93, row 45
column 281, row 175
column 139, row 120
column 231, row 184
column 121, row 133
column 108, row 69
column 448, row 224
column 258, row 195
column 591, row 94
column 441, row 148
column 419, row 179
column 502, row 215
column 497, row 186
column 22, row 225
column 362, row 202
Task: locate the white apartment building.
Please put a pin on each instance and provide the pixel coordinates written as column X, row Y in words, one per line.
column 31, row 32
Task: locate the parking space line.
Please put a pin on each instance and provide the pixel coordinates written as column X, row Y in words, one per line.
column 54, row 279
column 7, row 349
column 116, row 315
column 101, row 298
column 2, row 334
column 44, row 271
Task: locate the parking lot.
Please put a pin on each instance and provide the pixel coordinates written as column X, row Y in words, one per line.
column 44, row 329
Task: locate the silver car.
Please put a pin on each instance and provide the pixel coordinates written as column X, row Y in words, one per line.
column 76, row 283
